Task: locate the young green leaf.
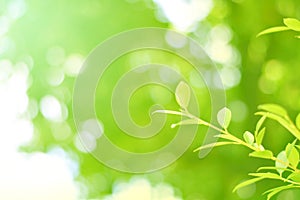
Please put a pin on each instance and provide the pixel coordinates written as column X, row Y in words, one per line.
column 248, row 137
column 274, row 108
column 183, row 94
column 283, row 163
column 224, row 117
column 259, row 124
column 246, row 183
column 295, row 176
column 273, row 30
column 298, row 121
column 283, row 121
column 289, row 146
column 216, row 144
column 268, row 175
column 273, row 168
column 186, row 122
column 260, row 136
column 292, row 23
column 292, row 154
column 266, row 154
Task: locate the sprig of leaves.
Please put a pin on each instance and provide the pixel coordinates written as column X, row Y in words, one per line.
column 285, row 163
column 290, row 24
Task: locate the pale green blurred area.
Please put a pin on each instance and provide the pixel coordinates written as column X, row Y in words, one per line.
column 42, row 46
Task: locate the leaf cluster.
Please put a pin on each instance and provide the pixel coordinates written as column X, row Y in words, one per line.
column 285, row 167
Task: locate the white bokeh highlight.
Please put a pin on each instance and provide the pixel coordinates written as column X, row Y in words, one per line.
column 184, row 15
column 140, row 188
column 37, row 175
column 52, row 109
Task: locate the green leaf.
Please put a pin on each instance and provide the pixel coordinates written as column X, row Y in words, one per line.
column 224, row 117
column 292, row 23
column 289, row 147
column 276, row 190
column 268, row 175
column 183, row 94
column 273, row 168
column 246, row 183
column 266, row 154
column 248, row 137
column 298, row 121
column 273, row 30
column 186, row 122
column 274, row 108
column 284, row 161
column 282, row 121
column 259, row 124
column 295, row 176
column 216, row 144
column 292, row 154
column 260, row 136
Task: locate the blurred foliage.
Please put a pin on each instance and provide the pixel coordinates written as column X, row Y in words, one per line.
column 269, row 68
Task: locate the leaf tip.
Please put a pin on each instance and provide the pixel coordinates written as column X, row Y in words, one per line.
column 224, row 117
column 182, row 94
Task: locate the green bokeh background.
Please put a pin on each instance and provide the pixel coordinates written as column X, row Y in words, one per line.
column 79, row 26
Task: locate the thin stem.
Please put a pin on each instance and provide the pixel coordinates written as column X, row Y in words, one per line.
column 289, row 181
column 241, row 142
column 205, row 123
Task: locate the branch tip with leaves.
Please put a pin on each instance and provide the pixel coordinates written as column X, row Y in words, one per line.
column 290, row 24
column 285, row 163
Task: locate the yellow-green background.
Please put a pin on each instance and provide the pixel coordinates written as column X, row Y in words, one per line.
column 79, row 26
